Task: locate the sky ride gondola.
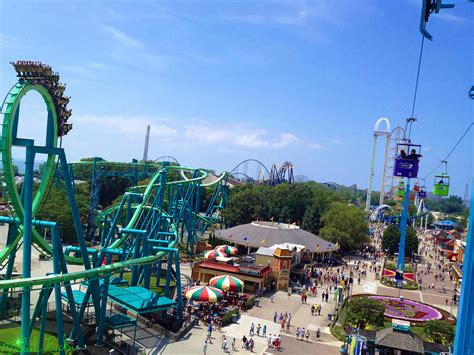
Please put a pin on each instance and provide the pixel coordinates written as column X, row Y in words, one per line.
column 407, row 160
column 441, row 182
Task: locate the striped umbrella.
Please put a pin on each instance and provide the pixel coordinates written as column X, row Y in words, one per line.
column 227, row 249
column 204, row 294
column 212, row 254
column 227, row 283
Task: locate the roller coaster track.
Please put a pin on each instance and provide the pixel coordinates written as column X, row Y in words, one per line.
column 10, row 111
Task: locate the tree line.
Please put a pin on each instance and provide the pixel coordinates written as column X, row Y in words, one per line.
column 332, row 214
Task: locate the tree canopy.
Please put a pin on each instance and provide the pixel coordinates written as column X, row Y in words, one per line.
column 391, row 240
column 364, row 311
column 345, row 224
column 440, row 331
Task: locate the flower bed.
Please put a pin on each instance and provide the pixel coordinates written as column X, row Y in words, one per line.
column 407, row 310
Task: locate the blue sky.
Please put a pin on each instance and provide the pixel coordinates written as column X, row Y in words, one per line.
column 220, row 82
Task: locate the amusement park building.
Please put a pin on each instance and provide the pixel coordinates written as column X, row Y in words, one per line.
column 267, row 234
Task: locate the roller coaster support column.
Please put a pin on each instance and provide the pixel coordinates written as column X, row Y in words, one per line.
column 371, row 175
column 12, row 234
column 464, row 340
column 27, row 240
column 103, row 306
column 403, row 235
column 179, row 296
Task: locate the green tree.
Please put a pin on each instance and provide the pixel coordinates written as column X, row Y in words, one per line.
column 244, row 205
column 440, row 331
column 312, row 218
column 56, row 208
column 364, row 311
column 391, row 240
column 346, row 224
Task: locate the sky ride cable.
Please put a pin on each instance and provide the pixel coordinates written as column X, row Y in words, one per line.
column 417, row 80
column 451, row 151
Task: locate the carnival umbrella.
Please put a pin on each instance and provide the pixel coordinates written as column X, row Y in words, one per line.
column 227, row 283
column 204, row 294
column 227, row 249
column 212, row 254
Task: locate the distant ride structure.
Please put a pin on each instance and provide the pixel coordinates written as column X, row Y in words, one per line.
column 276, row 175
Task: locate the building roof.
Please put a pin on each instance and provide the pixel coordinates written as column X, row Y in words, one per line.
column 243, row 268
column 400, row 340
column 265, row 251
column 264, row 234
column 282, row 252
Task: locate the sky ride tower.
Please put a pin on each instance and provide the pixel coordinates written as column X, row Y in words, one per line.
column 377, row 133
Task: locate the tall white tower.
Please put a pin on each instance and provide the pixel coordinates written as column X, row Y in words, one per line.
column 378, row 132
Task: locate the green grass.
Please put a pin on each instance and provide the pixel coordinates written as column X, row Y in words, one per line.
column 160, row 289
column 10, row 341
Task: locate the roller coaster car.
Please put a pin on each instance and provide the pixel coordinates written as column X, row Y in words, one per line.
column 406, row 165
column 441, row 185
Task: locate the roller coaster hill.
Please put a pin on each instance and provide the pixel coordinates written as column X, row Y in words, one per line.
column 146, row 229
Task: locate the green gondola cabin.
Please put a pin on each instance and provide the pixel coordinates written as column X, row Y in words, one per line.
column 441, row 185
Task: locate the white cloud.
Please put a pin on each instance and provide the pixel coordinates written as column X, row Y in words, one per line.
column 239, row 136
column 123, row 38
column 131, row 126
column 314, row 145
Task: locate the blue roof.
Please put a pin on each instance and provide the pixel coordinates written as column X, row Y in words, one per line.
column 78, row 297
column 446, row 222
column 116, row 321
column 140, row 299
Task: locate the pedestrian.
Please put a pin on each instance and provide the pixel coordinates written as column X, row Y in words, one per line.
column 252, row 329
column 287, row 327
column 224, row 343
column 307, row 334
column 233, row 344
column 251, row 344
column 208, row 338
column 270, row 340
column 209, row 329
column 244, row 341
column 319, row 309
column 258, row 329
column 275, row 315
column 282, row 324
column 302, row 332
column 297, row 333
column 204, row 347
column 272, row 298
column 318, row 334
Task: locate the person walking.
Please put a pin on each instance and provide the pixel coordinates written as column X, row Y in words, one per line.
column 233, row 344
column 270, row 340
column 307, row 334
column 298, row 333
column 264, row 330
column 244, row 342
column 224, row 343
column 275, row 315
column 252, row 329
column 258, row 329
column 318, row 334
column 204, row 347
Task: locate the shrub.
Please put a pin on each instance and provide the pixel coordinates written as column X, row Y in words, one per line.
column 227, row 318
column 249, row 303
